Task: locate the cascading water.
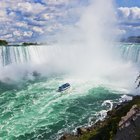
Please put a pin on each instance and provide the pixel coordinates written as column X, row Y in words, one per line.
column 21, row 54
column 130, row 52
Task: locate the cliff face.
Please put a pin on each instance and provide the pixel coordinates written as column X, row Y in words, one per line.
column 122, row 123
column 129, row 126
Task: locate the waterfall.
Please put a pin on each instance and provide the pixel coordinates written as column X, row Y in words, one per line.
column 19, row 63
column 24, row 54
column 130, row 52
column 20, row 54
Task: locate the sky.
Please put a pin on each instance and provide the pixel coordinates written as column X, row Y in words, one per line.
column 31, row 20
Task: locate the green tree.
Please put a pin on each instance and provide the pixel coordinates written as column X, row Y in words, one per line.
column 3, row 43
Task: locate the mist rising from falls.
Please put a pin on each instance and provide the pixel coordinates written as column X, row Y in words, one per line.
column 84, row 51
column 32, row 54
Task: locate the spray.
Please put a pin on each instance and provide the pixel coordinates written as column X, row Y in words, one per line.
column 85, row 50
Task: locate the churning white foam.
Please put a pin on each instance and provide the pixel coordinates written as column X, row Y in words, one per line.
column 84, row 51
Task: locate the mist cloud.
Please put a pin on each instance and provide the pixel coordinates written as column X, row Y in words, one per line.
column 85, row 50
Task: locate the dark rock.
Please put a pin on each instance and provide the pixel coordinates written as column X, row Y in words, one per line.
column 69, row 137
column 126, row 120
column 132, row 132
column 66, row 137
column 109, row 127
column 81, row 130
column 36, row 74
column 109, row 113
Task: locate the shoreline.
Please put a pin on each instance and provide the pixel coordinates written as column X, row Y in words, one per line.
column 109, row 127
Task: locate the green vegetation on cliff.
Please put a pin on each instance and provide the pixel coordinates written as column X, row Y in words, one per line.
column 28, row 43
column 3, row 43
column 132, row 39
column 107, row 129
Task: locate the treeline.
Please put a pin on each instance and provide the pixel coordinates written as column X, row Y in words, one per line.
column 5, row 43
column 131, row 39
column 29, row 43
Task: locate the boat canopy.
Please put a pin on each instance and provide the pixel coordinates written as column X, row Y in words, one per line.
column 64, row 87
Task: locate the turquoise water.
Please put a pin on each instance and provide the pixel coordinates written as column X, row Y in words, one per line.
column 32, row 109
column 38, row 111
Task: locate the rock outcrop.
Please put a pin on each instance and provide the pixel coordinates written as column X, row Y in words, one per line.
column 129, row 126
column 121, row 123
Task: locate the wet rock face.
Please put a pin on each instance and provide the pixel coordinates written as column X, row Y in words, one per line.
column 129, row 126
column 66, row 137
column 132, row 132
column 81, row 130
column 121, row 123
column 130, row 116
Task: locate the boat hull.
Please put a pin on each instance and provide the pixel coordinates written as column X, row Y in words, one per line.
column 64, row 87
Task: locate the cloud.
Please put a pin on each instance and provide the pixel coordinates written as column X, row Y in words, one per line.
column 17, row 33
column 56, row 2
column 3, row 14
column 38, row 29
column 27, row 34
column 30, row 18
column 21, row 24
column 129, row 19
column 129, row 13
column 120, row 32
column 46, row 16
column 7, row 36
column 21, row 34
column 27, row 8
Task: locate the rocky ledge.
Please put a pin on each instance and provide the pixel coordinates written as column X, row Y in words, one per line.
column 121, row 123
